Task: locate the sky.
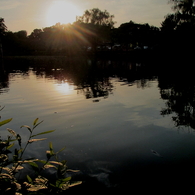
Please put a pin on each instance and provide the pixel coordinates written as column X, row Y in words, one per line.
column 38, row 14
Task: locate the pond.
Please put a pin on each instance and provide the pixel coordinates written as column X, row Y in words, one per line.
column 124, row 124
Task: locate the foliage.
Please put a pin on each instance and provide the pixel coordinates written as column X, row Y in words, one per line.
column 170, row 23
column 137, row 34
column 178, row 29
column 12, row 163
column 94, row 31
column 185, row 7
column 3, row 27
column 97, row 17
column 184, row 14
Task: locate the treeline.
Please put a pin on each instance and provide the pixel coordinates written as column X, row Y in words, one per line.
column 94, row 31
column 64, row 39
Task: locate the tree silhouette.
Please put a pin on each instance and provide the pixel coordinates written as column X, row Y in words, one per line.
column 178, row 29
column 98, row 17
column 95, row 27
column 3, row 29
column 185, row 9
column 134, row 34
column 170, row 23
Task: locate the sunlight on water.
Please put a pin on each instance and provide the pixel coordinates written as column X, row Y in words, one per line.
column 64, row 88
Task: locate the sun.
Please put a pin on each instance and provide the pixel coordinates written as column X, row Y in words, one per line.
column 61, row 11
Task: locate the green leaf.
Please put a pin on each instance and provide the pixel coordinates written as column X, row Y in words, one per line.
column 11, row 145
column 26, row 127
column 37, row 124
column 50, row 146
column 61, row 182
column 35, row 121
column 33, row 164
column 52, row 185
column 12, row 140
column 42, row 161
column 29, row 179
column 43, row 133
column 61, row 150
column 19, row 151
column 5, row 122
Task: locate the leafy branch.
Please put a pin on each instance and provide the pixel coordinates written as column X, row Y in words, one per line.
column 10, row 183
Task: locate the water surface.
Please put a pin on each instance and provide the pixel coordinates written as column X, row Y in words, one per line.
column 110, row 115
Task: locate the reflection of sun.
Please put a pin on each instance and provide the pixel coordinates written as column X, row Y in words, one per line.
column 61, row 11
column 64, row 88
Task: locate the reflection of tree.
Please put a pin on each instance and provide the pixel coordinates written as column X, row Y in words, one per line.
column 96, row 88
column 134, row 73
column 4, row 82
column 12, row 68
column 91, row 76
column 179, row 93
column 84, row 74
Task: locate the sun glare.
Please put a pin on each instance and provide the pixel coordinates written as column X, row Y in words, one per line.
column 61, row 11
column 64, row 88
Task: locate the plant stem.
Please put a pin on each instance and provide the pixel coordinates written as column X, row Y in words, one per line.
column 23, row 152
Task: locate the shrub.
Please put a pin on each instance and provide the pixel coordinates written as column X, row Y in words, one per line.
column 12, row 162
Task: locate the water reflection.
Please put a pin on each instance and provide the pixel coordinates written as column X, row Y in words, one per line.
column 94, row 79
column 178, row 91
column 4, row 82
column 64, row 87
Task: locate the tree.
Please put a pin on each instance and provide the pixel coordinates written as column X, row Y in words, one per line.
column 96, row 16
column 170, row 23
column 3, row 27
column 179, row 28
column 133, row 34
column 185, row 9
column 95, row 27
column 22, row 34
column 36, row 34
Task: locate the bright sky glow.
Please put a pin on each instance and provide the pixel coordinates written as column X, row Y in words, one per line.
column 61, row 11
